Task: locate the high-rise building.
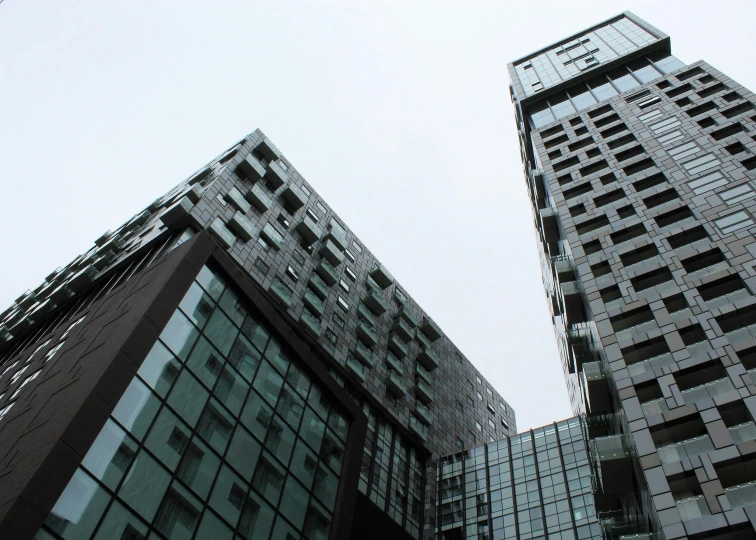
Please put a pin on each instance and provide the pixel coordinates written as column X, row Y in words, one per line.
column 640, row 171
column 230, row 363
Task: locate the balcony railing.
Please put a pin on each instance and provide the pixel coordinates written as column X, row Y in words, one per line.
column 376, row 304
column 424, row 373
column 693, row 508
column 656, row 407
column 424, row 391
column 742, row 495
column 403, row 329
column 327, row 272
column 312, row 301
column 318, row 286
column 418, row 427
column 311, row 322
column 742, row 336
column 708, row 390
column 397, row 346
column 424, row 412
column 428, row 358
column 395, row 383
column 685, row 449
column 364, row 354
column 366, row 334
column 356, row 367
column 650, row 365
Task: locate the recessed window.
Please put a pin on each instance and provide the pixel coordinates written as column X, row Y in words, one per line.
column 306, row 190
column 343, row 304
column 338, row 321
column 344, row 285
column 349, row 255
column 298, row 257
column 283, row 220
column 263, row 244
column 261, row 266
column 480, row 381
column 488, row 391
column 351, row 275
column 331, row 336
column 312, row 215
column 356, row 247
column 490, row 423
column 478, row 426
column 221, row 200
column 292, row 273
column 321, row 207
column 480, row 396
column 459, row 443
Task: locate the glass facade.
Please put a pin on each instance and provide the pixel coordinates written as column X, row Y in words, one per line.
column 580, row 54
column 533, row 485
column 220, row 435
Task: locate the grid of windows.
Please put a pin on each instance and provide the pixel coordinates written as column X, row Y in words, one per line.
column 218, row 434
column 532, row 485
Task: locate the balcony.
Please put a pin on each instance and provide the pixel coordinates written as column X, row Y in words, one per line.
column 420, row 429
column 312, row 301
column 693, row 508
column 176, row 214
column 337, row 235
column 580, row 349
column 430, row 329
column 251, row 169
column 242, row 227
column 356, row 368
column 656, row 407
column 294, row 197
column 309, row 232
column 221, row 233
column 742, row 495
column 424, row 373
column 549, row 218
column 396, row 346
column 572, row 300
column 685, row 449
column 395, row 384
column 318, row 286
column 711, row 390
column 394, row 364
column 194, row 195
column 381, row 276
column 331, row 253
column 364, row 312
column 275, row 176
column 405, row 314
column 366, row 334
column 310, row 322
column 327, row 272
column 597, row 387
column 428, row 359
column 257, row 196
column 424, row 412
column 376, row 304
column 614, row 464
column 402, row 329
column 364, row 354
column 268, row 149
column 424, row 391
column 237, row 200
column 648, row 368
column 272, row 236
column 564, row 269
column 80, row 280
column 281, row 292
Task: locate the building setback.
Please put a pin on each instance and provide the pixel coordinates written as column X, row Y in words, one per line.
column 231, row 361
column 640, row 172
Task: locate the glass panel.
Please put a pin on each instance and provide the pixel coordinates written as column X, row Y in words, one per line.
column 644, row 71
column 623, row 80
column 215, row 426
column 743, row 432
column 284, row 531
column 231, row 390
column 197, row 305
column 136, row 408
column 312, row 429
column 144, row 486
column 294, row 505
column 212, row 527
column 316, row 522
column 110, row 455
column 244, row 357
column 332, row 451
column 188, row 397
column 318, row 402
column 221, row 332
column 601, row 88
column 541, row 115
column 290, row 406
column 268, row 383
column 303, row 464
column 120, row 523
column 243, row 453
column 79, row 508
column 160, row 369
column 256, row 333
column 338, row 424
column 210, row 282
column 228, row 495
column 561, row 106
column 276, row 356
column 257, row 415
column 205, row 362
column 280, row 439
column 198, row 467
column 268, row 479
column 233, row 307
column 168, row 438
column 179, row 513
column 179, row 334
column 667, row 64
column 326, row 486
column 257, row 518
column 581, row 97
column 298, row 380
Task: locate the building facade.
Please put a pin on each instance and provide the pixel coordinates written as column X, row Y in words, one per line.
column 231, row 342
column 640, row 172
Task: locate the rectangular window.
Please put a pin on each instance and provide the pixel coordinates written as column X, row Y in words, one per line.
column 312, row 215
column 338, row 321
column 292, row 273
column 321, row 207
column 331, row 336
column 356, row 247
column 701, row 164
column 261, row 266
column 734, row 222
column 707, row 183
column 737, row 194
column 350, row 274
column 343, row 304
column 683, row 151
column 349, row 255
column 344, row 285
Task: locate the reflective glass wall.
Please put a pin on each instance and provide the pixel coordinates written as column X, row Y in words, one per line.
column 534, row 485
column 220, row 435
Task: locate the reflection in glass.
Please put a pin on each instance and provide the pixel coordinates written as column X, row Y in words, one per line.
column 215, row 426
column 233, row 307
column 179, row 513
column 205, row 362
column 623, row 80
column 561, row 106
column 160, row 369
column 198, row 467
column 541, row 116
column 120, row 523
column 212, row 527
column 145, row 486
column 244, row 357
column 602, row 88
column 295, row 501
column 188, row 398
column 136, row 408
column 110, row 455
column 581, row 97
column 243, row 453
column 79, row 508
column 168, row 438
column 211, row 283
column 221, row 332
column 179, row 334
column 268, row 479
column 197, row 305
column 256, row 519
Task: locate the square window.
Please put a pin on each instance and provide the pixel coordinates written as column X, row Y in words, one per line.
column 344, row 285
column 480, row 396
column 343, row 304
column 261, row 266
column 292, row 273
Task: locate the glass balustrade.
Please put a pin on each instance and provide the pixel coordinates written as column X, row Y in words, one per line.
column 708, row 390
column 693, row 508
column 742, row 495
column 648, row 366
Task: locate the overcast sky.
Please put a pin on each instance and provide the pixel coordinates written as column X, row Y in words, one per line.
column 398, row 113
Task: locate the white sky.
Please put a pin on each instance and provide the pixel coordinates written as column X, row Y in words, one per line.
column 398, row 113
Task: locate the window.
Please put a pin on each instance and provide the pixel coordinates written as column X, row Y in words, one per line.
column 489, row 392
column 312, row 215
column 478, row 426
column 292, row 273
column 306, row 190
column 480, row 396
column 480, row 381
column 283, row 220
column 298, row 257
column 356, row 247
column 331, row 336
column 263, row 244
column 261, row 266
column 221, row 200
column 459, row 443
column 350, row 274
column 321, row 207
column 338, row 321
column 490, row 423
column 343, row 304
column 349, row 255
column 344, row 285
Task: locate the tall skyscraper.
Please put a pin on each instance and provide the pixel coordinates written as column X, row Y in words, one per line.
column 640, row 173
column 230, row 363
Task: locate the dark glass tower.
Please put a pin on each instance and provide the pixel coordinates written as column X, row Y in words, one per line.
column 640, row 174
column 230, row 363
